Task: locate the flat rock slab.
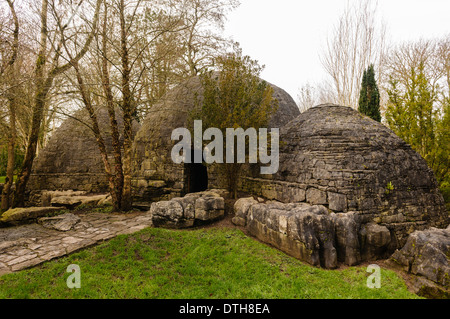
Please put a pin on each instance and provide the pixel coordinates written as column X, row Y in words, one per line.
column 63, row 222
column 29, row 245
column 73, row 201
column 17, row 216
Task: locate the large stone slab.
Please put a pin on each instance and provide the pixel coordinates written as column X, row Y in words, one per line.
column 304, row 231
column 333, row 156
column 28, row 245
column 209, row 208
column 374, row 241
column 168, row 214
column 347, row 242
column 46, row 196
column 313, row 233
column 71, row 202
column 241, row 208
column 184, row 212
column 63, row 222
column 18, row 216
column 427, row 254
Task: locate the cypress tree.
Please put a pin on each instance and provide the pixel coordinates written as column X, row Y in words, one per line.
column 362, row 107
column 369, row 98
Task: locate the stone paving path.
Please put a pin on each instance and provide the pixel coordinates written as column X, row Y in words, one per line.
column 29, row 245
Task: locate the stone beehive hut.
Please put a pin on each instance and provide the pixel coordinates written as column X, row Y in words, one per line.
column 347, row 189
column 155, row 175
column 352, row 190
column 71, row 160
column 333, row 156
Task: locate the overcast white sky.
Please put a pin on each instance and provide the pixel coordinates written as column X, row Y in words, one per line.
column 287, row 35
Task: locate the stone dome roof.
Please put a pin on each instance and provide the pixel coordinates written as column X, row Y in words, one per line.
column 155, row 175
column 334, row 156
column 71, row 159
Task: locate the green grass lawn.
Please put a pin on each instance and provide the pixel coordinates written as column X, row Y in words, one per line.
column 205, row 263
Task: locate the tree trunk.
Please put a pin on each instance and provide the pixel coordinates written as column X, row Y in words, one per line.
column 42, row 89
column 98, row 137
column 117, row 187
column 30, row 154
column 6, row 193
column 127, row 108
column 43, row 85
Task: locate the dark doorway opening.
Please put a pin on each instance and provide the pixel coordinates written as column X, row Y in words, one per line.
column 196, row 176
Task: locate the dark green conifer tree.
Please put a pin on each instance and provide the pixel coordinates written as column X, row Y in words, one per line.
column 369, row 98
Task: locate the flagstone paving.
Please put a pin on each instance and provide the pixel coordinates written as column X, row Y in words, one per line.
column 29, row 245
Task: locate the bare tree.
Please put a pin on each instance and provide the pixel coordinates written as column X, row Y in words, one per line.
column 121, row 69
column 357, row 41
column 202, row 41
column 191, row 41
column 418, row 108
column 7, row 69
column 45, row 74
column 311, row 95
column 443, row 55
column 141, row 50
column 405, row 58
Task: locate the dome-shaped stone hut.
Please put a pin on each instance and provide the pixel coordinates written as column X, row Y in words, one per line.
column 336, row 157
column 155, row 175
column 71, row 159
column 371, row 189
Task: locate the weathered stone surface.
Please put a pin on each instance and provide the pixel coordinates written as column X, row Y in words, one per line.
column 28, row 245
column 376, row 235
column 73, row 201
column 315, row 196
column 374, row 241
column 347, row 238
column 71, row 159
column 301, row 230
column 23, row 215
column 241, row 208
column 429, row 289
column 209, row 208
column 304, row 231
column 155, row 176
column 46, row 196
column 313, row 227
column 427, row 254
column 66, row 201
column 188, row 204
column 184, row 212
column 168, row 213
column 63, row 222
column 314, row 234
column 105, row 201
column 346, row 161
column 337, row 202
